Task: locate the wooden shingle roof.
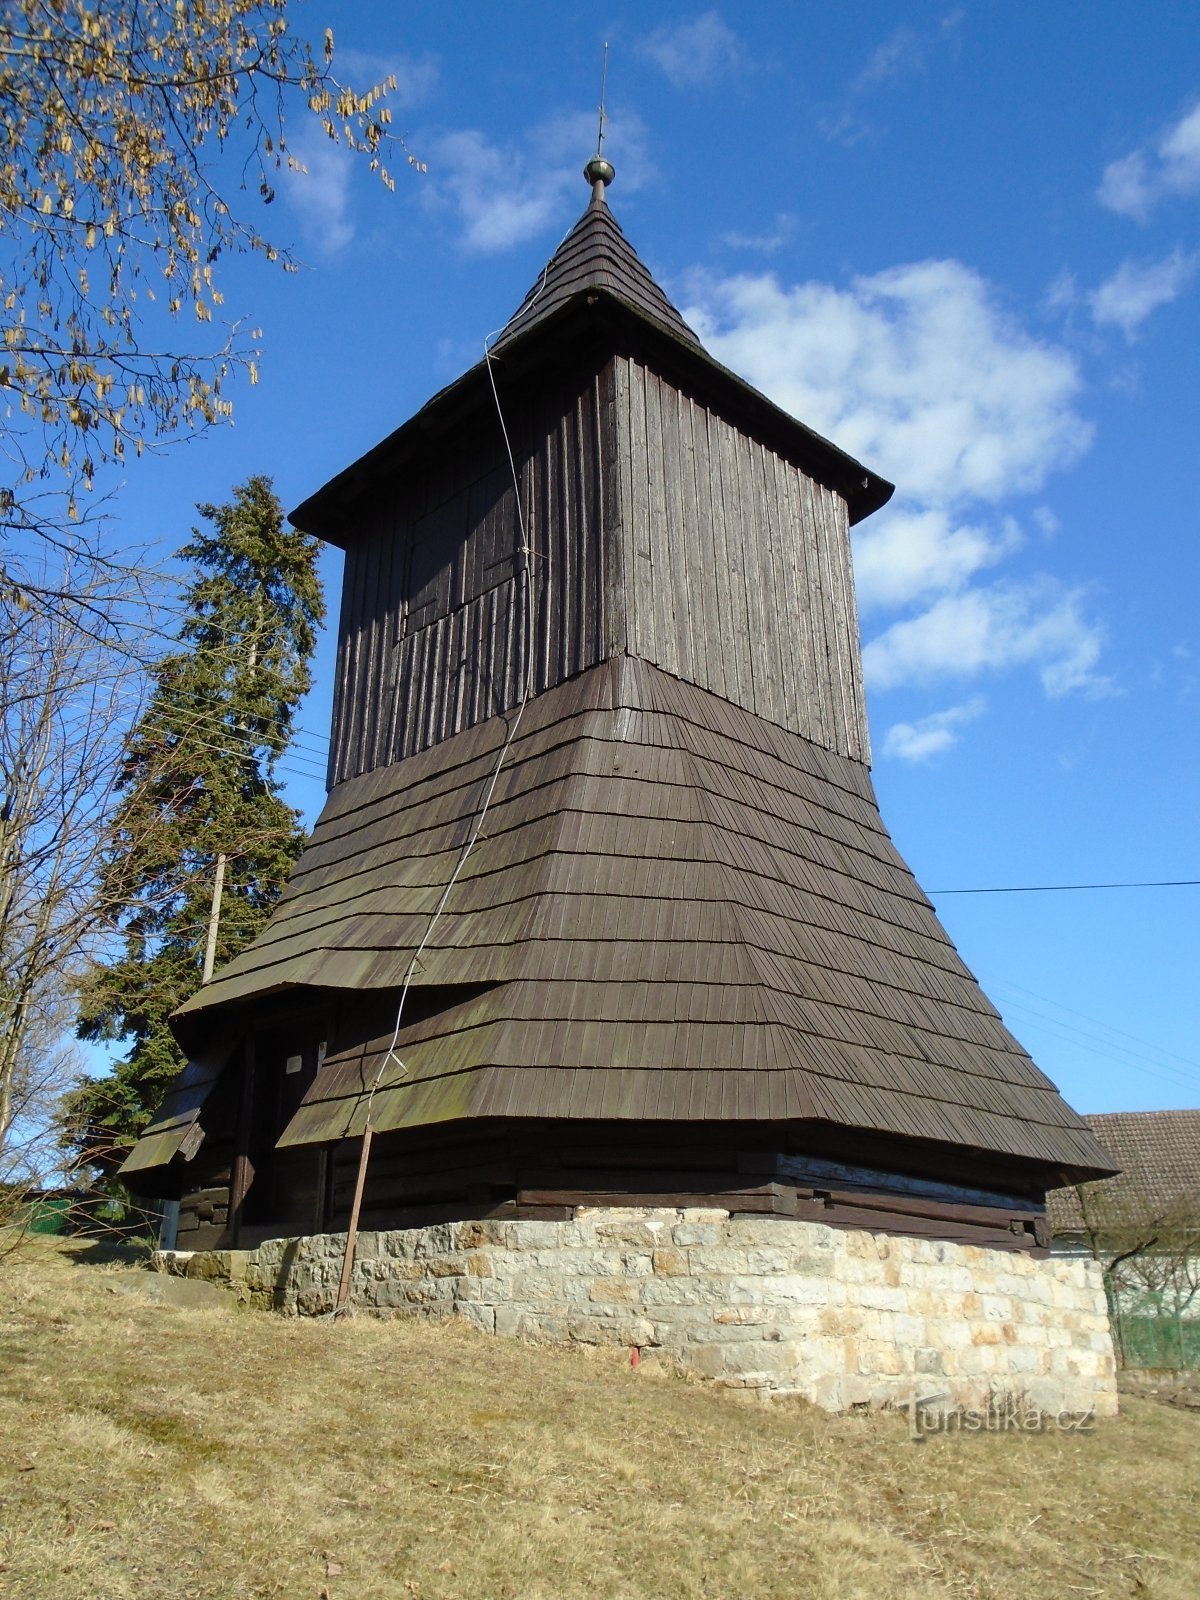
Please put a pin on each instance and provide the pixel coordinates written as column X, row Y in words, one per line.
column 595, row 256
column 594, row 286
column 678, row 911
column 1158, row 1153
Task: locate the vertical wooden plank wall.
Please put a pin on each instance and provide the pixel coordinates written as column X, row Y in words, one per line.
column 434, row 634
column 737, row 565
column 654, row 526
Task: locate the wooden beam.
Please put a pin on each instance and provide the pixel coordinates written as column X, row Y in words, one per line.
column 242, row 1172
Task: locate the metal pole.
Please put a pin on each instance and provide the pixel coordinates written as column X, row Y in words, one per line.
column 214, row 918
column 343, row 1293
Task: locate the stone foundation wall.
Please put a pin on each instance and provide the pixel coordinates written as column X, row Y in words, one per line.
column 839, row 1316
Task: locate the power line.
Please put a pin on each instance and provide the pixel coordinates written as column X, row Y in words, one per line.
column 1097, row 1046
column 1006, row 983
column 1063, row 888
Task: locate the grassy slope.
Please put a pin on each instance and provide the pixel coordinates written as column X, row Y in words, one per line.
column 151, row 1451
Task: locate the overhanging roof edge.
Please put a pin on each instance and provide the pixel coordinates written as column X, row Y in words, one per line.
column 322, row 513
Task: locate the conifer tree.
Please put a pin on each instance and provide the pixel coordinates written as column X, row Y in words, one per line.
column 199, row 782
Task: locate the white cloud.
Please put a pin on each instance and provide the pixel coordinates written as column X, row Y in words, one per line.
column 903, row 54
column 1135, row 184
column 929, row 736
column 1063, row 293
column 1125, row 187
column 1137, row 288
column 764, row 243
column 1049, row 524
column 319, row 194
column 900, row 54
column 504, row 195
column 915, row 369
column 921, row 373
column 911, row 553
column 692, row 54
column 1038, row 624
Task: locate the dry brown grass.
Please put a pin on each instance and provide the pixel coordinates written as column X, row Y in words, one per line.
column 152, row 1451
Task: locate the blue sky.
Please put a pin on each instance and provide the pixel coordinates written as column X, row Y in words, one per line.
column 961, row 240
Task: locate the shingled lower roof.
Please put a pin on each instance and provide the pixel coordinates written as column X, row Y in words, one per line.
column 680, row 911
column 595, row 255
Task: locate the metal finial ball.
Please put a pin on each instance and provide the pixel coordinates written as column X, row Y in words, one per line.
column 598, row 170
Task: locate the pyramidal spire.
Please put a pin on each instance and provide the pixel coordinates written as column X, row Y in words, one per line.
column 595, row 257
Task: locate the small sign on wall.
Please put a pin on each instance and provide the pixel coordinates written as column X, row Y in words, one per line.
column 293, row 1064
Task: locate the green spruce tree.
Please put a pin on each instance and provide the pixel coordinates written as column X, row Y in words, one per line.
column 200, row 782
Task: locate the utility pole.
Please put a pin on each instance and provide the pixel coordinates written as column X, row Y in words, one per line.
column 214, row 918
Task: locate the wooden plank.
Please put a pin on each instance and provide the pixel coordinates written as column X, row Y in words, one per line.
column 814, row 1169
column 639, row 503
column 843, row 643
column 824, row 723
column 768, row 517
column 243, row 1165
column 760, row 583
column 860, row 745
column 738, row 640
column 370, row 648
column 625, row 572
column 703, row 600
column 687, row 621
column 732, row 1201
column 667, row 643
column 597, row 544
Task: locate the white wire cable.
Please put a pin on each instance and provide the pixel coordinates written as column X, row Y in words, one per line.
column 526, row 553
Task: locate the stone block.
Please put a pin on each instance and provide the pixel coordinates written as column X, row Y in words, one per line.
column 688, row 1233
column 786, row 1289
column 616, row 1291
column 986, row 1334
column 481, row 1317
column 827, row 1390
column 656, row 1362
column 671, row 1262
column 882, row 1298
column 435, row 1240
column 315, row 1302
column 621, row 1330
column 734, row 1333
column 906, row 1330
column 1023, row 1360
column 766, row 1359
column 707, row 1360
column 679, row 1292
column 514, row 1324
column 740, row 1316
column 640, row 1234
column 530, row 1235
column 879, row 1357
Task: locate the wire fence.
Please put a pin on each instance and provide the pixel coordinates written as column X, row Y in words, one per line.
column 1161, row 1337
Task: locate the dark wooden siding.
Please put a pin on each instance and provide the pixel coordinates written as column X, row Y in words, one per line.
column 738, row 566
column 546, row 1171
column 654, row 527
column 435, row 634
